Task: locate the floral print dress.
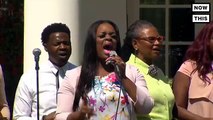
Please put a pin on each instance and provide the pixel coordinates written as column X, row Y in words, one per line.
column 104, row 97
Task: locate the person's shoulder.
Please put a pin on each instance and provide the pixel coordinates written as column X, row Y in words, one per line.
column 189, row 63
column 73, row 74
column 133, row 73
column 75, row 70
column 130, row 67
column 28, row 75
column 29, row 72
column 27, row 79
column 71, row 65
column 188, row 67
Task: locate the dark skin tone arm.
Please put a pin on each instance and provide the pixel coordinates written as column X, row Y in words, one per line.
column 180, row 89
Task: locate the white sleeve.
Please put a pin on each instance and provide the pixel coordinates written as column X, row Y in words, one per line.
column 23, row 100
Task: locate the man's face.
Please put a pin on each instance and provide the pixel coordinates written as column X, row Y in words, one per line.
column 59, row 48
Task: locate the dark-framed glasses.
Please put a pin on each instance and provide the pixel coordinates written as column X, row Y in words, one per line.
column 152, row 39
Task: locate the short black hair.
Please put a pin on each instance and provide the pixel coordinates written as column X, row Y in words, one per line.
column 132, row 33
column 55, row 27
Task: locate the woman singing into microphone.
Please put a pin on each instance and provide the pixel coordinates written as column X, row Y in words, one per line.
column 93, row 91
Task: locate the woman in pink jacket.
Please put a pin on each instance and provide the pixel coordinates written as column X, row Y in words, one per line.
column 104, row 87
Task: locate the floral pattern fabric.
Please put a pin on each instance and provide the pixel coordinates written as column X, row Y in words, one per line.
column 104, row 97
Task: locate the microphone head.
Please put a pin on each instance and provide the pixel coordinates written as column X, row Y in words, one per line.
column 112, row 53
column 36, row 51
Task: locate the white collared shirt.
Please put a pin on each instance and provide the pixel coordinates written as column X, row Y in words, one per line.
column 25, row 104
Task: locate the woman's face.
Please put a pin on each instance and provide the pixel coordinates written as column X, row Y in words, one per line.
column 148, row 44
column 106, row 40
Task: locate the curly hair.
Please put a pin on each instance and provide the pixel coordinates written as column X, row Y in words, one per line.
column 200, row 51
column 55, row 27
column 89, row 65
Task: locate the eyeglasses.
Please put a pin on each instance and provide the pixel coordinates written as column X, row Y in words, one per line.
column 152, row 39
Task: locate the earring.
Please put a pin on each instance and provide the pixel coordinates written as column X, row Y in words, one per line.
column 136, row 51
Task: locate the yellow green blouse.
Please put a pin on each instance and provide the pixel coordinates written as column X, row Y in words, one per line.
column 160, row 90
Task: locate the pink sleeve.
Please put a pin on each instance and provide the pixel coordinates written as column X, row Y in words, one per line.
column 5, row 110
column 144, row 102
column 187, row 67
column 66, row 94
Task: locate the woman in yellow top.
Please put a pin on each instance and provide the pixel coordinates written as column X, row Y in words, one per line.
column 141, row 47
column 5, row 112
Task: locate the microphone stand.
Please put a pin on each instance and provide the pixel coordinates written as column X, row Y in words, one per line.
column 36, row 53
column 119, row 77
column 37, row 85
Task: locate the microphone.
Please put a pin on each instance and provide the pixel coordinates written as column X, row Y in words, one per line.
column 36, row 53
column 111, row 53
column 117, row 70
column 118, row 75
